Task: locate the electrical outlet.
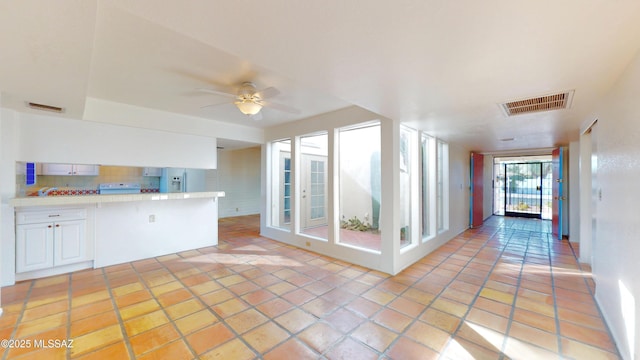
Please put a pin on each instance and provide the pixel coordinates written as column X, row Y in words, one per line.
column 236, row 209
column 308, row 243
column 152, row 218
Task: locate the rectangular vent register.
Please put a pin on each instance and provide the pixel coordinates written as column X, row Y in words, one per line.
column 542, row 103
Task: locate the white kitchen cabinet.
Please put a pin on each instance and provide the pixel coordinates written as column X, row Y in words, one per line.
column 70, row 169
column 151, row 171
column 69, row 245
column 34, row 247
column 47, row 239
column 86, row 170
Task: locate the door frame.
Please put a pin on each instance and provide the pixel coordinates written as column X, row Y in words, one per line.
column 476, row 213
column 588, row 192
column 540, row 189
column 557, row 193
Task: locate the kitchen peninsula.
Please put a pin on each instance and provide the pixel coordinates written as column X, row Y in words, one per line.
column 59, row 234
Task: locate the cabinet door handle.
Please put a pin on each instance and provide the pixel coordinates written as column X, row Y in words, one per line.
column 57, row 225
column 49, row 226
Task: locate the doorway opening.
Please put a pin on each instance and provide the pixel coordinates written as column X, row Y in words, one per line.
column 522, row 186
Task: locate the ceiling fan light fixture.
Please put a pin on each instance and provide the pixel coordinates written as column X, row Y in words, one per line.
column 248, row 107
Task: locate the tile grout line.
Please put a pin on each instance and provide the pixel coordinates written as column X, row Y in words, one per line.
column 279, row 296
column 70, row 307
column 395, row 287
column 512, row 231
column 515, row 298
column 205, row 305
column 342, row 307
column 427, row 306
column 437, row 296
column 291, row 335
column 322, row 320
column 586, row 282
column 550, row 241
column 172, row 321
column 19, row 319
column 338, row 306
column 116, row 310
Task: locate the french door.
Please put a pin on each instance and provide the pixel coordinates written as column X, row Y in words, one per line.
column 477, row 189
column 285, row 188
column 558, row 193
column 313, row 191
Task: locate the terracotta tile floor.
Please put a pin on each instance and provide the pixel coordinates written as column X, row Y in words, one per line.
column 505, row 290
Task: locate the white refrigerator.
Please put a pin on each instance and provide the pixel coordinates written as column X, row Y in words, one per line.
column 174, row 180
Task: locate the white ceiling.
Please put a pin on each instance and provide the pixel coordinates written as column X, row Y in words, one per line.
column 441, row 66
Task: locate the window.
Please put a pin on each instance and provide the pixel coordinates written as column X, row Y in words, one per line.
column 360, row 186
column 281, row 189
column 408, row 185
column 426, row 163
column 286, row 189
column 442, row 187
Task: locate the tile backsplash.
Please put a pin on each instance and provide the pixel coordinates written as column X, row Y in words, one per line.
column 108, row 174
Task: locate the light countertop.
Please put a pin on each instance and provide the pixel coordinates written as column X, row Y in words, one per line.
column 98, row 199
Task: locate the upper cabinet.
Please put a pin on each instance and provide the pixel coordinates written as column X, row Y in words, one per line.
column 152, row 171
column 86, row 170
column 70, row 169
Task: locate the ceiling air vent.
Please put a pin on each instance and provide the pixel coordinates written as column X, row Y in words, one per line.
column 45, row 107
column 542, row 103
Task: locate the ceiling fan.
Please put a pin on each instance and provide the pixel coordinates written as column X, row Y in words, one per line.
column 250, row 101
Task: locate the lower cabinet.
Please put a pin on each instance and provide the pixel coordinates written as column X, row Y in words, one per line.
column 42, row 242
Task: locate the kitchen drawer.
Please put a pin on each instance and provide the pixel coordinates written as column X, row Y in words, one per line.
column 35, row 217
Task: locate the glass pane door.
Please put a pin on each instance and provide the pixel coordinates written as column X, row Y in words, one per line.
column 314, row 194
column 314, row 191
column 523, row 189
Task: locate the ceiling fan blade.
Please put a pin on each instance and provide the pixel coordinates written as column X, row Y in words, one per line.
column 213, row 105
column 256, row 117
column 217, row 92
column 268, row 93
column 281, row 107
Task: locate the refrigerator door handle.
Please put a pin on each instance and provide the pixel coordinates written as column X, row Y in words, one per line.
column 184, row 182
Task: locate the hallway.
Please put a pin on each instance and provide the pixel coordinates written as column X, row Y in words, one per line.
column 505, row 290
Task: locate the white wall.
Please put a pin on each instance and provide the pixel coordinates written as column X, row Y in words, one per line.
column 41, row 138
column 179, row 225
column 56, row 139
column 238, row 175
column 459, row 185
column 114, row 113
column 586, row 196
column 3, row 208
column 9, row 133
column 616, row 248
